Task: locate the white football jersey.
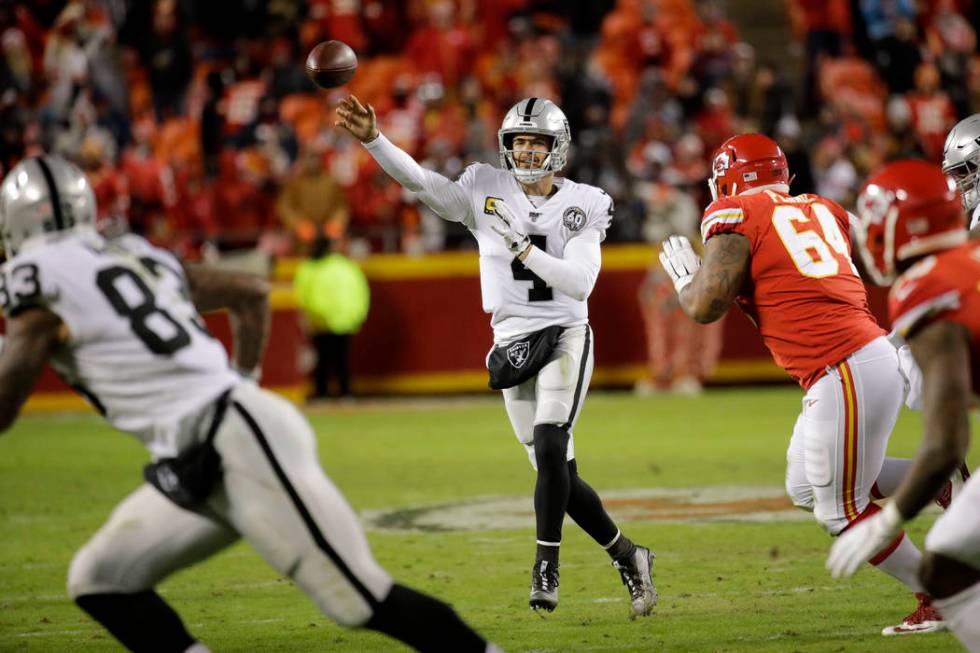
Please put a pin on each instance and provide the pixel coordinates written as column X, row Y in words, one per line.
column 519, row 301
column 137, row 348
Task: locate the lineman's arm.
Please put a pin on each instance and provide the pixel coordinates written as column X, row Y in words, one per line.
column 575, row 274
column 246, row 296
column 942, row 351
column 442, row 195
column 716, row 284
column 32, row 336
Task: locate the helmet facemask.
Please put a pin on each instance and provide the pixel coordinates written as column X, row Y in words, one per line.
column 547, row 162
column 967, row 177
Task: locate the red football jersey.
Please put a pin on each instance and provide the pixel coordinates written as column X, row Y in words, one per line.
column 803, row 291
column 941, row 287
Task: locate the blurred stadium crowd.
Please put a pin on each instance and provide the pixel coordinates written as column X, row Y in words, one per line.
column 200, row 129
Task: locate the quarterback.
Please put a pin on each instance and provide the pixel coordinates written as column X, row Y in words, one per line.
column 786, row 261
column 538, row 236
column 118, row 320
column 913, row 228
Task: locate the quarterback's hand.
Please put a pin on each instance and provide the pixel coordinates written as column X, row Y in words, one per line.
column 504, row 225
column 861, row 542
column 359, row 120
column 679, row 260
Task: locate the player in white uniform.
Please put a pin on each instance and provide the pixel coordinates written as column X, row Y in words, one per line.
column 961, row 161
column 539, row 238
column 118, row 320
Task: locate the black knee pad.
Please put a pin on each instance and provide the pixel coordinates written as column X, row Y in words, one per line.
column 550, row 445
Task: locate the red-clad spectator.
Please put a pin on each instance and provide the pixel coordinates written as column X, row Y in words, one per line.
column 150, row 180
column 339, row 19
column 193, row 220
column 384, row 24
column 715, row 122
column 242, row 210
column 109, row 184
column 442, row 45
column 932, row 112
column 242, row 103
column 493, row 18
column 375, row 208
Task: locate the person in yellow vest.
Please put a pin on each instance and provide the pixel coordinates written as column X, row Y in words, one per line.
column 334, row 295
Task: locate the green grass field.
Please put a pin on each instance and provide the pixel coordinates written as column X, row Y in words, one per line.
column 724, row 585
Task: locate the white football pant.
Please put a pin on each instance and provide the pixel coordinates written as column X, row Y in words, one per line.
column 273, row 493
column 556, row 394
column 839, row 440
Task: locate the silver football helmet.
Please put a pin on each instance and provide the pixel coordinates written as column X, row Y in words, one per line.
column 43, row 194
column 961, row 159
column 534, row 116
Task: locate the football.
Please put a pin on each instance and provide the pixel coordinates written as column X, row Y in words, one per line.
column 331, row 63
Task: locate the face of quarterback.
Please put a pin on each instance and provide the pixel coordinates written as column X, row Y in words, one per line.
column 531, row 150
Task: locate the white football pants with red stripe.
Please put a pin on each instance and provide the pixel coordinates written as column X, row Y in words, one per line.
column 839, row 441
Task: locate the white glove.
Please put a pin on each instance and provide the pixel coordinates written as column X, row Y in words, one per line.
column 679, row 260
column 861, row 542
column 505, row 221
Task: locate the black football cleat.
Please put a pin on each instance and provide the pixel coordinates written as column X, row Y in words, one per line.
column 544, row 586
column 636, row 572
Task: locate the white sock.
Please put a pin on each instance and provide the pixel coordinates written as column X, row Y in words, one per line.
column 891, row 475
column 197, row 647
column 962, row 614
column 903, row 564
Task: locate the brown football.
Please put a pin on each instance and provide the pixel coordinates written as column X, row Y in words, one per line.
column 331, row 64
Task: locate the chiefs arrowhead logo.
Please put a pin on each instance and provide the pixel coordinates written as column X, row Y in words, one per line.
column 722, row 163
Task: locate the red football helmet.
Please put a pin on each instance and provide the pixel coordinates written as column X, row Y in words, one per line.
column 747, row 161
column 906, row 210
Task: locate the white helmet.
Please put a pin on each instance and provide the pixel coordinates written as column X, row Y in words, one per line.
column 43, row 194
column 961, row 159
column 534, row 116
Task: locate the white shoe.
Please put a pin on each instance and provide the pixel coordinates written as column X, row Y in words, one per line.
column 686, row 386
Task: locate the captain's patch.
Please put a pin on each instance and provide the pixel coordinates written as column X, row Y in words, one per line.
column 490, row 205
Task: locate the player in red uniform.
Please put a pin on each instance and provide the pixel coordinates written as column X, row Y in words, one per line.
column 786, row 261
column 912, row 223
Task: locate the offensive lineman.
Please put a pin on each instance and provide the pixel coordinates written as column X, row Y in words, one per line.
column 118, row 320
column 786, row 261
column 539, row 237
column 913, row 228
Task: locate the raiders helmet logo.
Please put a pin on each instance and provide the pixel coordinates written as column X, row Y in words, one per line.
column 573, row 218
column 517, row 353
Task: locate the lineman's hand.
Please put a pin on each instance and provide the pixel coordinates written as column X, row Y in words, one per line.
column 679, row 260
column 863, row 540
column 359, row 120
column 506, row 227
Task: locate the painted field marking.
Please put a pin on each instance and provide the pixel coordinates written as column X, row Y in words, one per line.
column 676, row 505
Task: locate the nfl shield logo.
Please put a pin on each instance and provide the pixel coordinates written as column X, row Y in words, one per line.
column 517, row 353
